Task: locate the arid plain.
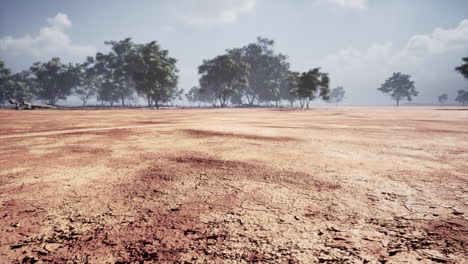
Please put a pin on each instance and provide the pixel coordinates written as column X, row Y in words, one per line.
column 328, row 185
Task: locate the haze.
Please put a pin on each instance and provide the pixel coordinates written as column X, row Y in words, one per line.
column 359, row 43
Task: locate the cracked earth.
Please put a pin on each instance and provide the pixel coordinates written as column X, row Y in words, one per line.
column 330, row 185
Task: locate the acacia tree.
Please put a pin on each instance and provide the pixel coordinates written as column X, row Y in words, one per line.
column 116, row 69
column 54, row 80
column 463, row 69
column 337, row 95
column 156, row 74
column 222, row 77
column 442, row 98
column 399, row 87
column 462, row 97
column 90, row 81
column 311, row 85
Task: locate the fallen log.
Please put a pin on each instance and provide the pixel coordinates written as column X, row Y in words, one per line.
column 29, row 106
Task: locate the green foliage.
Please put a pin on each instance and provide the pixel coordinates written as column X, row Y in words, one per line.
column 463, row 69
column 117, row 69
column 90, row 81
column 5, row 76
column 462, row 96
column 267, row 72
column 442, row 98
column 311, row 85
column 155, row 74
column 21, row 87
column 290, row 92
column 54, row 80
column 399, row 87
column 195, row 94
column 223, row 76
column 337, row 95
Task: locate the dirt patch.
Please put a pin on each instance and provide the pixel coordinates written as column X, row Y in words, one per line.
column 208, row 134
column 132, row 191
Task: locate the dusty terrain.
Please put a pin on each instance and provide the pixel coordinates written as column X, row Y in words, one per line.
column 336, row 185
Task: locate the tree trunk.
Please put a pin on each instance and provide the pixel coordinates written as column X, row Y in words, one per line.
column 123, row 101
column 149, row 101
column 397, row 102
column 156, row 103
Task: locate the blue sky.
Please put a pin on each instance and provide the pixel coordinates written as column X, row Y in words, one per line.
column 359, row 42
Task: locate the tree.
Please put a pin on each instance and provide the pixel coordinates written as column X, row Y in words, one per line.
column 266, row 73
column 5, row 77
column 20, row 86
column 117, row 69
column 442, row 98
column 107, row 92
column 90, row 81
column 222, row 77
column 196, row 94
column 337, row 95
column 291, row 87
column 462, row 96
column 54, row 80
column 399, row 87
column 463, row 69
column 311, row 85
column 156, row 74
column 275, row 85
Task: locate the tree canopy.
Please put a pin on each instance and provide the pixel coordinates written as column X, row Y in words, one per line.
column 463, row 69
column 311, row 85
column 222, row 76
column 399, row 87
column 155, row 74
column 116, row 67
column 90, row 81
column 462, row 96
column 54, row 80
column 442, row 98
column 337, row 95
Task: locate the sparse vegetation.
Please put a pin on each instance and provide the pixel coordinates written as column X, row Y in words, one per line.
column 399, row 87
column 442, row 98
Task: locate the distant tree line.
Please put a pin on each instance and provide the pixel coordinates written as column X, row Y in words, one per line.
column 250, row 75
column 129, row 69
column 254, row 75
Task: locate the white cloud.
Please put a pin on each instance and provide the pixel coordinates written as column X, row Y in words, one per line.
column 208, row 12
column 51, row 40
column 441, row 40
column 365, row 69
column 59, row 21
column 416, row 49
column 361, row 4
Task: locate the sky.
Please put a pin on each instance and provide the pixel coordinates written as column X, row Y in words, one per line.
column 360, row 43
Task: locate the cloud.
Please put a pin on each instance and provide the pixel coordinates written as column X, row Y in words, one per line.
column 360, row 4
column 51, row 40
column 441, row 40
column 416, row 49
column 208, row 12
column 424, row 56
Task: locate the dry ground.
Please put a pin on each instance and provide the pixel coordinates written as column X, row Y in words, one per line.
column 354, row 185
